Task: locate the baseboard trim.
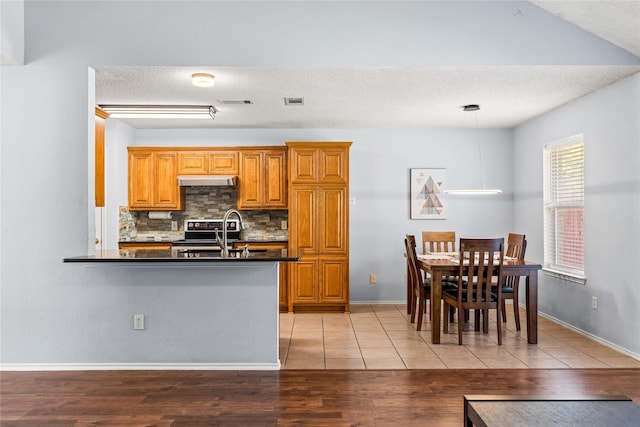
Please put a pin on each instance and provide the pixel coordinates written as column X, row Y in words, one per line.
column 589, row 335
column 140, row 366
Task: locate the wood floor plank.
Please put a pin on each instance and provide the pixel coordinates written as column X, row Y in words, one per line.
column 284, row 398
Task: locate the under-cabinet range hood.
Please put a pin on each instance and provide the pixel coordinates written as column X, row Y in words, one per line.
column 206, row 180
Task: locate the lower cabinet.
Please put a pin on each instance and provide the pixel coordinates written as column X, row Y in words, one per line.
column 318, row 284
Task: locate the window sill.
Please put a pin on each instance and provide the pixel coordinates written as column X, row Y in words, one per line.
column 565, row 276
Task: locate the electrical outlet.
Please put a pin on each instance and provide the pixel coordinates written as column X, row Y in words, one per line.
column 174, row 225
column 138, row 322
column 372, row 279
column 283, row 224
column 594, row 303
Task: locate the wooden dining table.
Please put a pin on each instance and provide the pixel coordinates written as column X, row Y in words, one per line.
column 439, row 268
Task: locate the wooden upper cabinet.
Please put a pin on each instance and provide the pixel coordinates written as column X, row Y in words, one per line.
column 304, row 165
column 263, row 183
column 275, row 183
column 208, row 162
column 251, row 180
column 334, row 168
column 223, row 162
column 193, row 163
column 318, row 163
column 153, row 182
column 140, row 179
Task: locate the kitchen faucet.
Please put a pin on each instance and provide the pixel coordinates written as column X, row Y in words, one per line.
column 224, row 251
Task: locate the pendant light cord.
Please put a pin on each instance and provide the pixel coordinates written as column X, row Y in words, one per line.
column 475, row 115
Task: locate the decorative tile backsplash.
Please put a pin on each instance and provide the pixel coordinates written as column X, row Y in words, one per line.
column 205, row 203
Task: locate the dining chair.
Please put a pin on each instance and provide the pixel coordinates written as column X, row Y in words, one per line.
column 439, row 241
column 516, row 248
column 421, row 288
column 480, row 262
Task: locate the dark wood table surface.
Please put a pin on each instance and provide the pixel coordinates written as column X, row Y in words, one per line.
column 550, row 410
column 439, row 268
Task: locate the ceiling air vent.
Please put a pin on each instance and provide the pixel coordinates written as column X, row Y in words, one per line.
column 235, row 101
column 294, row 101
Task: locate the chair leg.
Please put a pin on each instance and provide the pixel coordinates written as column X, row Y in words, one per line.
column 476, row 314
column 504, row 311
column 485, row 321
column 445, row 326
column 516, row 308
column 460, row 322
column 499, row 323
column 413, row 309
column 420, row 313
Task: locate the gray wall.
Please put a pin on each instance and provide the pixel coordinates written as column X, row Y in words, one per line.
column 379, row 181
column 610, row 122
column 58, row 313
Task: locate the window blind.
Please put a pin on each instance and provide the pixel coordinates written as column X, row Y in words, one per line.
column 564, row 206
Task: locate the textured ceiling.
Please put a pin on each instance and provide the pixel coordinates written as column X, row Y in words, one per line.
column 383, row 97
column 357, row 97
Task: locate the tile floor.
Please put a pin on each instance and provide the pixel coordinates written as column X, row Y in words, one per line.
column 380, row 337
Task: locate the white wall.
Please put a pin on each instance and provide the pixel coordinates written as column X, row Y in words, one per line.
column 59, row 313
column 610, row 122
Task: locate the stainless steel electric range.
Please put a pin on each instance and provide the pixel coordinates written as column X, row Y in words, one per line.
column 200, row 234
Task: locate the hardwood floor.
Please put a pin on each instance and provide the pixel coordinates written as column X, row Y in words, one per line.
column 284, row 398
column 389, row 375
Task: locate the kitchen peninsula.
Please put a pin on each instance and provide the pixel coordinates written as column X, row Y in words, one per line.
column 235, row 300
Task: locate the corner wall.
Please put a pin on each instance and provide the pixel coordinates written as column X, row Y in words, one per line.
column 609, row 120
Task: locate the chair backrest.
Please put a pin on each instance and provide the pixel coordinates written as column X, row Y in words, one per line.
column 485, row 259
column 516, row 246
column 438, row 241
column 412, row 263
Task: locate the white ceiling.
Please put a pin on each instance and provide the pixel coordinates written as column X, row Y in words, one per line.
column 383, row 97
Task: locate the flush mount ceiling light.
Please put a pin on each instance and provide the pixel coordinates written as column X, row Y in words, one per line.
column 160, row 111
column 475, row 191
column 202, row 79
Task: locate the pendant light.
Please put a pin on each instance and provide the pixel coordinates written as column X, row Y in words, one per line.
column 476, row 191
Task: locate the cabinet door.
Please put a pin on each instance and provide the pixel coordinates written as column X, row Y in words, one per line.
column 275, row 181
column 334, row 275
column 304, row 165
column 251, row 180
column 140, row 179
column 304, row 281
column 303, row 217
column 166, row 190
column 334, row 166
column 192, row 163
column 333, row 217
column 223, row 162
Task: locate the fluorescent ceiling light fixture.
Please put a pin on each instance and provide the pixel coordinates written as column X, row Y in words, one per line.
column 203, row 79
column 160, row 111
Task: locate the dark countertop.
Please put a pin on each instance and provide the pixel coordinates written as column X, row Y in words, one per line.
column 177, row 256
column 151, row 241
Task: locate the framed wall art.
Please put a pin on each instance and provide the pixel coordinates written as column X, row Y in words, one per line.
column 428, row 200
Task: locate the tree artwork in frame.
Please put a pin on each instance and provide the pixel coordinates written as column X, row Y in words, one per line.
column 428, row 200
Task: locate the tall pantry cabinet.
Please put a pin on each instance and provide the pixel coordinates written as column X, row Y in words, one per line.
column 319, row 226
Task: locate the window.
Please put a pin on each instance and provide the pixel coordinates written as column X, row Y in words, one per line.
column 564, row 208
